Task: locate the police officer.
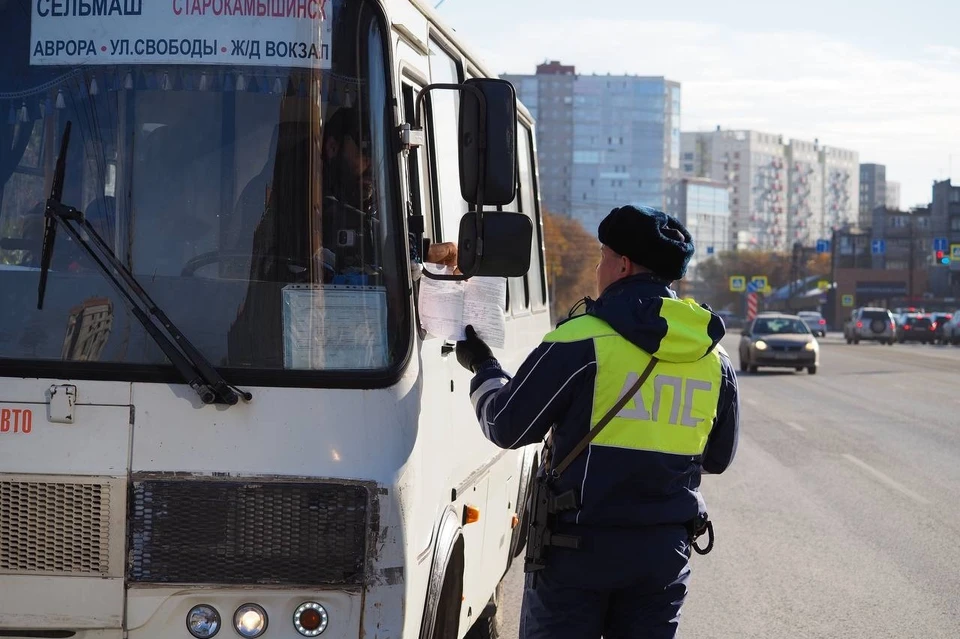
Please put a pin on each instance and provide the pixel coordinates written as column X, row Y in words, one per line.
column 637, row 483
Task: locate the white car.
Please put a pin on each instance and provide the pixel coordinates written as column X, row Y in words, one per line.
column 951, row 330
column 870, row 324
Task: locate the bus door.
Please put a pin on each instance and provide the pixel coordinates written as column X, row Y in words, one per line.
column 435, row 394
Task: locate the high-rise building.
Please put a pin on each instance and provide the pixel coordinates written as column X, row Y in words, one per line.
column 893, row 195
column 781, row 193
column 752, row 164
column 805, row 192
column 841, row 188
column 705, row 210
column 603, row 140
column 873, row 190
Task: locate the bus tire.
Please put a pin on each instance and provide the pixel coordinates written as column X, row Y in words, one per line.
column 488, row 625
column 447, row 622
column 520, row 533
column 441, row 607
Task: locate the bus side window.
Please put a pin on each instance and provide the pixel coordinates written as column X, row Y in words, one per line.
column 443, row 139
column 416, row 169
column 517, row 299
column 529, row 204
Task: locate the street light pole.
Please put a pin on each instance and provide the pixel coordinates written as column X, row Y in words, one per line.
column 834, row 301
column 910, row 264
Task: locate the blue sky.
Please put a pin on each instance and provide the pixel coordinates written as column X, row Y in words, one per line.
column 881, row 77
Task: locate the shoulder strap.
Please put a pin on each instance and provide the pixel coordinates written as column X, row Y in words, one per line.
column 582, row 445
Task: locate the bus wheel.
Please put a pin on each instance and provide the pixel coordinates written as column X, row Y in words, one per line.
column 448, row 608
column 523, row 526
column 488, row 625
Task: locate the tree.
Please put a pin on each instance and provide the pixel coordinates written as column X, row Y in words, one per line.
column 716, row 273
column 572, row 255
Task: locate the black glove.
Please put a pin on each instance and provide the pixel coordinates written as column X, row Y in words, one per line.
column 472, row 352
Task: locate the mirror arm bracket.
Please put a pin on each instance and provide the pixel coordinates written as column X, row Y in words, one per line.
column 410, row 138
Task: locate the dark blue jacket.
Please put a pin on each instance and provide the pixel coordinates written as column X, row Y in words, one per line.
column 554, row 389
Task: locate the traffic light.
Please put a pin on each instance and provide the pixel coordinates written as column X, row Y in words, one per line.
column 942, row 258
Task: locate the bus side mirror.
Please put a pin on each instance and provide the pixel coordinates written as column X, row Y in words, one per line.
column 504, row 242
column 488, row 142
column 498, row 243
column 492, row 243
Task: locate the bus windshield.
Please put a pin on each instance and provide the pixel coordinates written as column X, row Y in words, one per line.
column 244, row 178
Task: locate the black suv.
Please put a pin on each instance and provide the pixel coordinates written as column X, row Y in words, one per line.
column 917, row 328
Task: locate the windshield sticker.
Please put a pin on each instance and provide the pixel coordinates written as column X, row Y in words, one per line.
column 334, row 327
column 16, row 421
column 287, row 33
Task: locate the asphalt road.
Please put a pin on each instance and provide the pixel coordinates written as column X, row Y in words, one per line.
column 840, row 516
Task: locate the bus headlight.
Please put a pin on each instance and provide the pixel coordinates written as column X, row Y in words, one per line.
column 203, row 621
column 310, row 619
column 250, row 621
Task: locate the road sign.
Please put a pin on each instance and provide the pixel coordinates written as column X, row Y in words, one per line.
column 878, row 247
column 939, row 244
column 709, row 250
column 955, row 252
column 848, row 300
column 823, row 246
column 738, row 283
column 757, row 283
column 823, row 285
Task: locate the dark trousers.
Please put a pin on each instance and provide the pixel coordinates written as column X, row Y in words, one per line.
column 623, row 584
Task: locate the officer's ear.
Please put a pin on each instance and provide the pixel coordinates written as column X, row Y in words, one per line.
column 331, row 148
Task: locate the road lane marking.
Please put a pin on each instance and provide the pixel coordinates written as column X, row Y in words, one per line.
column 795, row 426
column 752, row 402
column 883, row 479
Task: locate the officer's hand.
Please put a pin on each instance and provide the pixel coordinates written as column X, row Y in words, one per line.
column 472, row 351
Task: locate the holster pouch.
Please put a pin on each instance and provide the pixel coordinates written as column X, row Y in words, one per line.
column 544, row 507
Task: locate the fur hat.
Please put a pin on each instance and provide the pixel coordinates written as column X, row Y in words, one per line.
column 650, row 238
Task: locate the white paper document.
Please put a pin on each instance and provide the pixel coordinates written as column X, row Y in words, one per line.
column 446, row 308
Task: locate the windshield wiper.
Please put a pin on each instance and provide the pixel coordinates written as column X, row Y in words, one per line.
column 196, row 370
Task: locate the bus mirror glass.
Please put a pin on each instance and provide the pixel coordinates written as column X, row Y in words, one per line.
column 494, row 168
column 505, row 241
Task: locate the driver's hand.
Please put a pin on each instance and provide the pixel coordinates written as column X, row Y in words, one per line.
column 444, row 253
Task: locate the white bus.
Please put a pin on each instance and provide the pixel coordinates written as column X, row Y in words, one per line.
column 219, row 415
